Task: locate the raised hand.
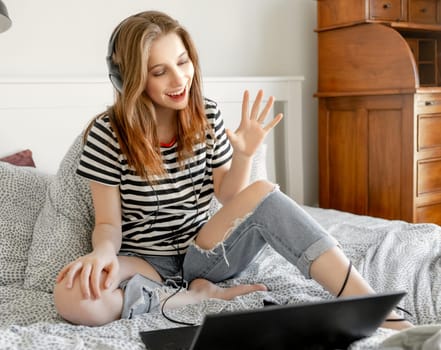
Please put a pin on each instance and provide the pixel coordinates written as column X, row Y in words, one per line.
column 252, row 129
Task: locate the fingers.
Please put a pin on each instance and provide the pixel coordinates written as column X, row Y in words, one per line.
column 273, row 122
column 269, row 104
column 256, row 105
column 254, row 115
column 84, row 280
column 266, row 110
column 95, row 278
column 245, row 102
column 111, row 276
column 95, row 282
column 69, row 272
column 61, row 274
column 89, row 277
column 251, row 131
column 92, row 275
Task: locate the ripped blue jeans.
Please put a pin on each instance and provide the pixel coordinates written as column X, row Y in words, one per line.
column 277, row 221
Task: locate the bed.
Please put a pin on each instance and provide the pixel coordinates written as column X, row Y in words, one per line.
column 46, row 218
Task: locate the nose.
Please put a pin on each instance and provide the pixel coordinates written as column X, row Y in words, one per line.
column 177, row 77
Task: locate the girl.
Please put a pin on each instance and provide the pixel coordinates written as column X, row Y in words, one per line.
column 154, row 160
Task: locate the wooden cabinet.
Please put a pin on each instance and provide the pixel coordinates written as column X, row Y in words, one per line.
column 380, row 108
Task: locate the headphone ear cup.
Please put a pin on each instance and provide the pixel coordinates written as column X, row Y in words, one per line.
column 114, row 72
column 114, row 75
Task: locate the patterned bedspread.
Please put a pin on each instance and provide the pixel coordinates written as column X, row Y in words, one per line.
column 392, row 255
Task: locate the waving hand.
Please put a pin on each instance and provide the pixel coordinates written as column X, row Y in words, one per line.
column 252, row 129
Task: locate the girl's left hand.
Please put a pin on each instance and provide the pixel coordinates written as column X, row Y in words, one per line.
column 252, row 129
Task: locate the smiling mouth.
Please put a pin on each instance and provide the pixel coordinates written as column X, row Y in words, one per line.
column 177, row 93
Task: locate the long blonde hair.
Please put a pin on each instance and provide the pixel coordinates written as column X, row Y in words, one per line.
column 133, row 116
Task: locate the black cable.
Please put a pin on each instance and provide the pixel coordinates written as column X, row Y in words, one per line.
column 181, row 261
column 346, row 279
column 401, row 318
column 404, row 310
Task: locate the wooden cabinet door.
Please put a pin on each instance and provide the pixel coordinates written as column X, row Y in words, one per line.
column 366, row 155
column 343, row 158
column 387, row 10
column 385, row 157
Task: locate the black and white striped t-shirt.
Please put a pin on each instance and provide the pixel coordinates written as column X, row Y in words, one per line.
column 159, row 218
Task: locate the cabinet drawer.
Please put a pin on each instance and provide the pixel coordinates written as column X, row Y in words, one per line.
column 389, row 10
column 429, row 131
column 429, row 213
column 429, row 176
column 427, row 103
column 423, row 11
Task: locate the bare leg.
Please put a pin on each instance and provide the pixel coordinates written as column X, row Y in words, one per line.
column 202, row 289
column 75, row 308
column 330, row 270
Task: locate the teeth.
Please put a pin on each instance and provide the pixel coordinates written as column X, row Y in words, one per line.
column 176, row 93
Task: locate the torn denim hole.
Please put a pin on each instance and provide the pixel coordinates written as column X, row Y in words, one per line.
column 235, row 224
column 238, row 221
column 221, row 244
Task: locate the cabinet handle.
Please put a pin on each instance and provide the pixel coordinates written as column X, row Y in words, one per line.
column 430, row 103
column 387, row 5
column 423, row 10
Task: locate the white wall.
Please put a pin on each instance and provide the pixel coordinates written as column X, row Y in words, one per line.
column 56, row 38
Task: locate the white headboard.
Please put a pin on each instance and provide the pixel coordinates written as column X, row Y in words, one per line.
column 45, row 116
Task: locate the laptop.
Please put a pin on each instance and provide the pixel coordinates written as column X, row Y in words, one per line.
column 327, row 324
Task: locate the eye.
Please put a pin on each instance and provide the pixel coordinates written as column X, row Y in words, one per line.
column 158, row 73
column 183, row 59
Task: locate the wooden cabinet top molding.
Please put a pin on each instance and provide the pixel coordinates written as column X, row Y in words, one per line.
column 422, row 15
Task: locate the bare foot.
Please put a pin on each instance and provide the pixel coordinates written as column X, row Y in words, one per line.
column 206, row 289
column 397, row 325
column 202, row 289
